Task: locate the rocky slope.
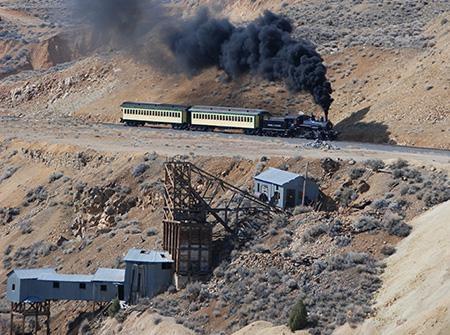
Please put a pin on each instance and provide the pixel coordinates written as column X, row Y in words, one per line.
column 414, row 297
column 77, row 209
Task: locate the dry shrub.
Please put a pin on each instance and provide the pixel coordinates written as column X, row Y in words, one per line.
column 311, row 234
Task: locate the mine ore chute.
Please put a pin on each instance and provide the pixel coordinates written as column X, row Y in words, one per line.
column 195, row 202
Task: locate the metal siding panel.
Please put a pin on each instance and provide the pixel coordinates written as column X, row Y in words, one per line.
column 11, row 295
column 282, row 201
column 127, row 284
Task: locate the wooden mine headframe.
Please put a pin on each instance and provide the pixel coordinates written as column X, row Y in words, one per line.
column 195, row 201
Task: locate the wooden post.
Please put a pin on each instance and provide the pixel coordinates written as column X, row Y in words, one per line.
column 12, row 320
column 304, row 184
column 36, row 324
column 48, row 320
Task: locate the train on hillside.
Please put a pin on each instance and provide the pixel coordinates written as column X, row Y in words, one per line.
column 210, row 118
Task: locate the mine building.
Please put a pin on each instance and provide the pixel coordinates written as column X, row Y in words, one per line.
column 285, row 189
column 108, row 284
column 147, row 274
column 37, row 285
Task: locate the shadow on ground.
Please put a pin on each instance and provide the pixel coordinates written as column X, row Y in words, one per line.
column 353, row 128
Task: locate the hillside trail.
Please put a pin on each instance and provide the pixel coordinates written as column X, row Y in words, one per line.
column 19, row 17
column 415, row 297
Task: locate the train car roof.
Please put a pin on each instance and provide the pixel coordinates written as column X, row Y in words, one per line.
column 226, row 110
column 150, row 105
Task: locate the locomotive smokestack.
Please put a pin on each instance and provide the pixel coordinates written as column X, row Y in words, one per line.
column 265, row 47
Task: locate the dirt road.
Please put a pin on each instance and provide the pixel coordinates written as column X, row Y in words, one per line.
column 118, row 138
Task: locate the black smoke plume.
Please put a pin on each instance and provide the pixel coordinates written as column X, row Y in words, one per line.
column 264, row 47
column 121, row 23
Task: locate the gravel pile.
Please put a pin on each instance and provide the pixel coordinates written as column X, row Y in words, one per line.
column 318, row 144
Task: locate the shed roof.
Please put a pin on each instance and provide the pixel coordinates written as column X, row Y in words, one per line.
column 109, row 275
column 226, row 110
column 31, row 273
column 70, row 278
column 144, row 256
column 276, row 176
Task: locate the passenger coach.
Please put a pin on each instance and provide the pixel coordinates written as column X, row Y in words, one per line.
column 204, row 117
column 138, row 114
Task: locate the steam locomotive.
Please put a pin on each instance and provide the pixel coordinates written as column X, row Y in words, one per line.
column 208, row 118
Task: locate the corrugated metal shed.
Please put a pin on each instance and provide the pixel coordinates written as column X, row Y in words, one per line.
column 109, row 275
column 276, row 176
column 143, row 256
column 226, row 110
column 32, row 273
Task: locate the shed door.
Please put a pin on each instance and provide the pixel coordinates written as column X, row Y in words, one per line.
column 290, row 198
column 120, row 292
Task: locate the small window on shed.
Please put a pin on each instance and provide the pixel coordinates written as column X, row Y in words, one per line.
column 166, row 266
column 103, row 288
column 56, row 284
column 82, row 286
column 13, row 287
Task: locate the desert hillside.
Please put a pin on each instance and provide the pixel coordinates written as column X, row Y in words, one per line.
column 78, row 189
